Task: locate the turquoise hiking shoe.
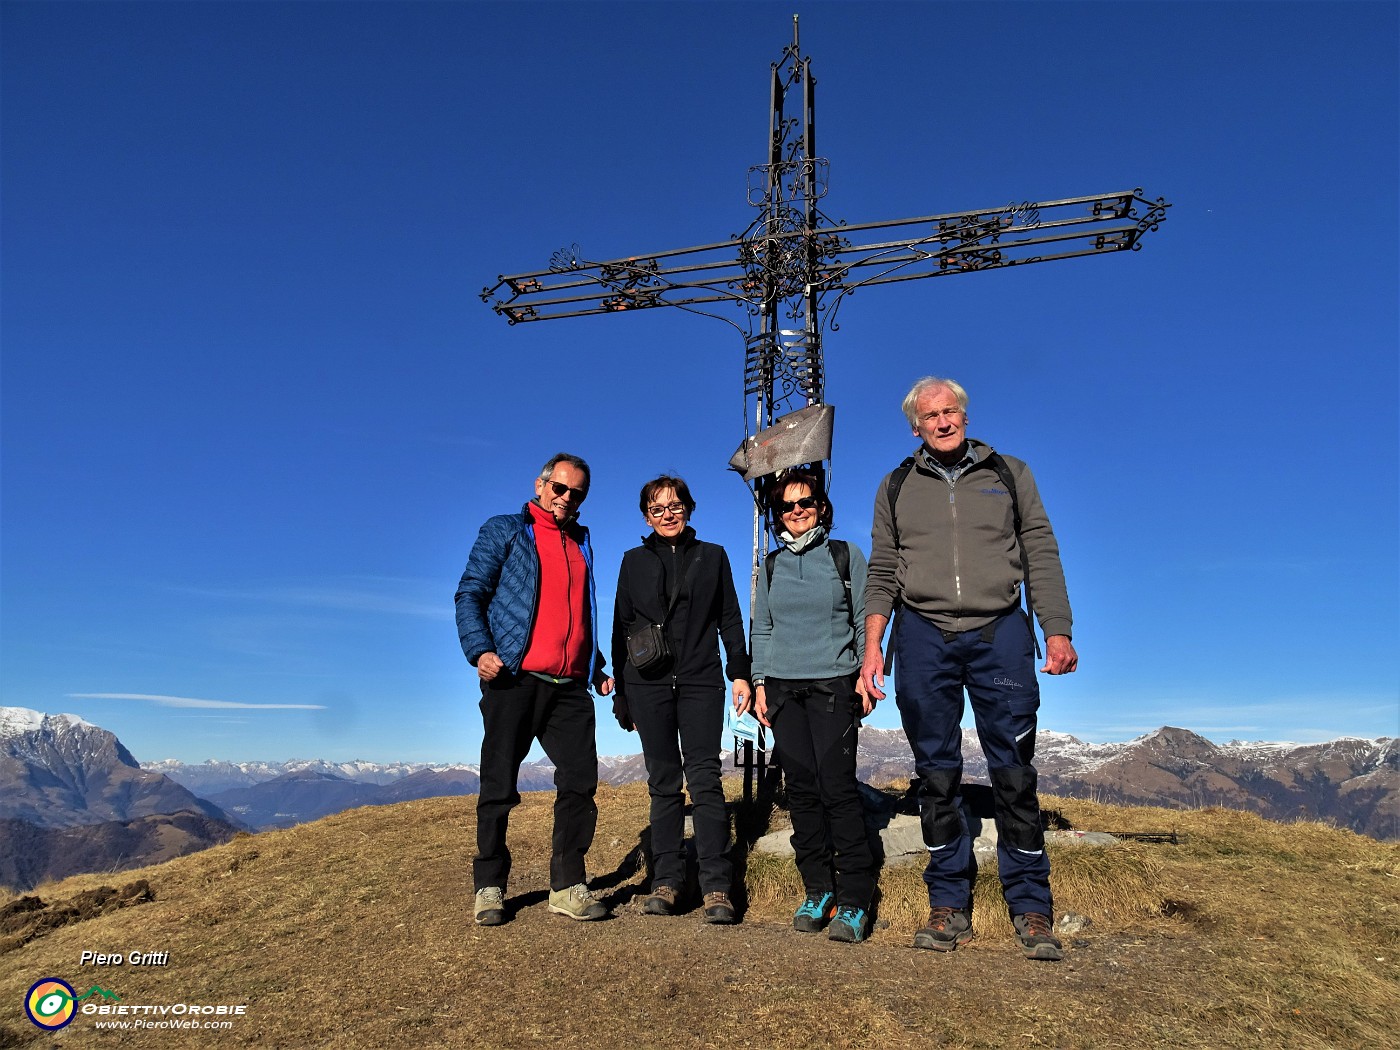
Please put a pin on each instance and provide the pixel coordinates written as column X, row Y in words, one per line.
column 815, row 912
column 849, row 925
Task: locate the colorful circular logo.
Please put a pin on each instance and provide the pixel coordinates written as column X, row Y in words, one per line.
column 50, row 1003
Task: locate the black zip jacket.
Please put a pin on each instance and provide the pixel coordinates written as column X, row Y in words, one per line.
column 708, row 606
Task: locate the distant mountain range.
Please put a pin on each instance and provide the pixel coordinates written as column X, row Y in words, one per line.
column 1350, row 783
column 308, row 794
column 70, row 793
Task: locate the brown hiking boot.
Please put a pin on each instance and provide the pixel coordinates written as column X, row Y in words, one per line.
column 661, row 901
column 719, row 909
column 1037, row 938
column 946, row 929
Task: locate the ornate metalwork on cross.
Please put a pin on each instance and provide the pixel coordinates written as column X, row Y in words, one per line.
column 790, row 270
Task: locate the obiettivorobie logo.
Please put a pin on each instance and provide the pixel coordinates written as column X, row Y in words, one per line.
column 51, row 1003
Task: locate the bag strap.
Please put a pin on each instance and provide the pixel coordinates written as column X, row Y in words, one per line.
column 897, row 477
column 841, row 557
column 1004, row 474
column 896, row 482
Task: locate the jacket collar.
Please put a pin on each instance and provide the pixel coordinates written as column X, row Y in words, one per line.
column 533, row 514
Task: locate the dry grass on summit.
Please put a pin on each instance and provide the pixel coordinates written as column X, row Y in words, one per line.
column 356, row 931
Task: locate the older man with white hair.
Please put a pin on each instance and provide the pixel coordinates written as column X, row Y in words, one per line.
column 959, row 533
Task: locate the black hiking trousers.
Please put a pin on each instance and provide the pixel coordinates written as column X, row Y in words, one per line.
column 816, row 725
column 517, row 710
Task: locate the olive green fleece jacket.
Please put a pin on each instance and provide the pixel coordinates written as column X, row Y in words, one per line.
column 957, row 563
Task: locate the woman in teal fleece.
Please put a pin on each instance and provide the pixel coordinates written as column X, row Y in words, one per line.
column 808, row 642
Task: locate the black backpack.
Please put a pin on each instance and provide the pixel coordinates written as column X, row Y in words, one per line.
column 1003, row 472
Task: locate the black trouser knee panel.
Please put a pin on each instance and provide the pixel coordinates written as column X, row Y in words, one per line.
column 1017, row 807
column 938, row 806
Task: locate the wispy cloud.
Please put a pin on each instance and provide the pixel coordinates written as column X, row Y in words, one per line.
column 366, row 594
column 189, row 701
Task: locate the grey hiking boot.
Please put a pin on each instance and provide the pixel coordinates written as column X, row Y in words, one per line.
column 719, row 909
column 577, row 902
column 1037, row 938
column 661, row 901
column 490, row 906
column 946, row 929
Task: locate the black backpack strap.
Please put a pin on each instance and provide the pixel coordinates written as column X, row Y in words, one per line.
column 892, row 488
column 1003, row 471
column 841, row 558
column 768, row 564
column 896, row 482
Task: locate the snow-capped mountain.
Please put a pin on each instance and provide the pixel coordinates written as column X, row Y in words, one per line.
column 60, row 771
column 73, row 799
column 1348, row 782
column 213, row 776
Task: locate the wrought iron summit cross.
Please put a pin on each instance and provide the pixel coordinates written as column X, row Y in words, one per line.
column 791, row 269
column 789, row 272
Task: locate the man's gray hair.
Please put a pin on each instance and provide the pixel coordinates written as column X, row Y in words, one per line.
column 569, row 458
column 927, row 383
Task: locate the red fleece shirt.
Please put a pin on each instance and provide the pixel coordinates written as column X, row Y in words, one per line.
column 559, row 639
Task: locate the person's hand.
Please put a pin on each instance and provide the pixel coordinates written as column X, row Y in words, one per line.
column 488, row 666
column 866, row 703
column 1060, row 657
column 760, row 706
column 623, row 713
column 602, row 684
column 743, row 695
column 872, row 673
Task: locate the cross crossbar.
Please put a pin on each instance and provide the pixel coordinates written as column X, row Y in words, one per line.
column 950, row 243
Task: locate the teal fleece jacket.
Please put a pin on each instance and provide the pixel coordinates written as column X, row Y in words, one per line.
column 802, row 627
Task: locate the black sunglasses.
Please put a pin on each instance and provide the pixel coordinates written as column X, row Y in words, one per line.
column 806, row 503
column 560, row 488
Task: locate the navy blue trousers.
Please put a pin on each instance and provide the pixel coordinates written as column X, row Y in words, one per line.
column 996, row 667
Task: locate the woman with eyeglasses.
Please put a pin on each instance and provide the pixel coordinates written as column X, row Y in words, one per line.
column 808, row 642
column 675, row 604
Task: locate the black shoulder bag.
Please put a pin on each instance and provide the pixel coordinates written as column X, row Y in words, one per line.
column 647, row 648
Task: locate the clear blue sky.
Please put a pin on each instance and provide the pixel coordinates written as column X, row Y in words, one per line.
column 254, row 412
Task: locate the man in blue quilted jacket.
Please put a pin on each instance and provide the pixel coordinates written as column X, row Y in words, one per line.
column 527, row 619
